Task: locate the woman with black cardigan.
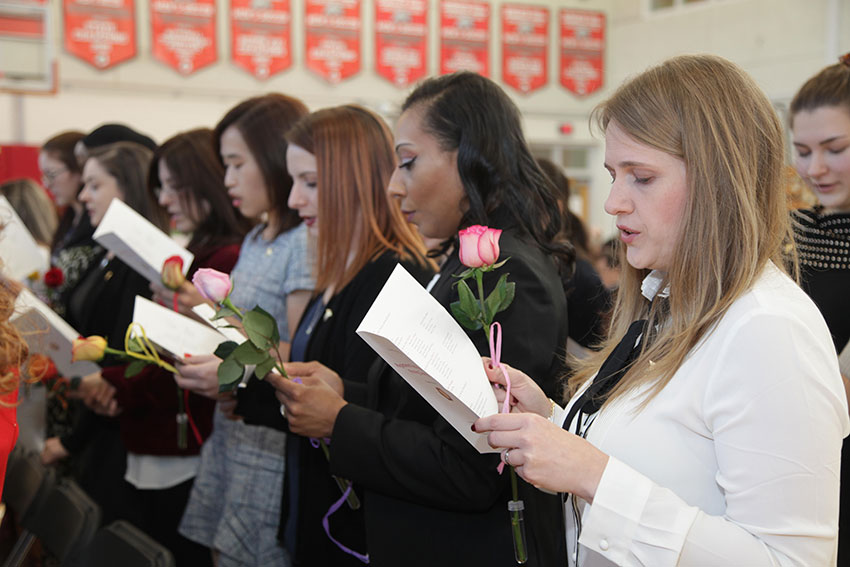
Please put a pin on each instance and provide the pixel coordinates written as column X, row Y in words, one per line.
column 430, row 497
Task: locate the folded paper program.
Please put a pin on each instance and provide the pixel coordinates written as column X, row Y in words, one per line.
column 415, row 335
column 137, row 242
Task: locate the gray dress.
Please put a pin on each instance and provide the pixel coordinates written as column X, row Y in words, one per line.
column 234, row 507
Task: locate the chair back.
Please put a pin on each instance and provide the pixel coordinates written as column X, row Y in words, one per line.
column 67, row 522
column 27, row 484
column 124, row 545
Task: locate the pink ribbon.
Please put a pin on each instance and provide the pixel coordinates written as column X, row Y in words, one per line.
column 496, row 355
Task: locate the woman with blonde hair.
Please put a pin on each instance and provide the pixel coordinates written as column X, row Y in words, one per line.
column 13, row 352
column 708, row 429
column 34, row 207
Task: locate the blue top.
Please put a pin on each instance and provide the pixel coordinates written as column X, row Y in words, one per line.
column 267, row 272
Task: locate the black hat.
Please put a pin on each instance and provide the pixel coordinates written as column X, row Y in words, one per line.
column 111, row 133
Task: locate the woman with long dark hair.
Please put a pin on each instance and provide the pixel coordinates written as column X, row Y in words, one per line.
column 430, row 497
column 234, row 507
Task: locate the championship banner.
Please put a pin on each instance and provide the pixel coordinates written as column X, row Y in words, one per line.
column 260, row 36
column 464, row 37
column 332, row 29
column 401, row 32
column 582, row 47
column 183, row 33
column 525, row 46
column 100, row 32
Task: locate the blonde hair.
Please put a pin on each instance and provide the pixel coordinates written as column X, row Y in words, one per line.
column 709, row 113
column 355, row 159
column 13, row 349
column 34, row 206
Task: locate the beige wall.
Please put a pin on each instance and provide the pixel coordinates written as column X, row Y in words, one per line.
column 780, row 42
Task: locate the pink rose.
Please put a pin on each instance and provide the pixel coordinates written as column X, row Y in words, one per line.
column 212, row 284
column 479, row 246
column 88, row 348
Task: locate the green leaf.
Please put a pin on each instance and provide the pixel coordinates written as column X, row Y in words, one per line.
column 134, row 368
column 467, row 301
column 248, row 353
column 264, row 368
column 501, row 296
column 510, row 288
column 224, row 349
column 224, row 312
column 261, row 328
column 135, row 345
column 466, row 274
column 498, row 265
column 229, row 371
column 463, row 318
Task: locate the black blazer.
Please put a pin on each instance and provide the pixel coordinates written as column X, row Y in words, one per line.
column 430, row 497
column 335, row 343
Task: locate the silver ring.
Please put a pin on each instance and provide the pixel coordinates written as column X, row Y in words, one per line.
column 506, row 457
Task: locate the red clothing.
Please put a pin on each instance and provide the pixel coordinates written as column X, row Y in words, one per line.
column 8, row 431
column 148, row 420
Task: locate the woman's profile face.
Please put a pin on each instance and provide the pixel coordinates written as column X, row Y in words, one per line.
column 184, row 212
column 62, row 183
column 242, row 177
column 648, row 196
column 98, row 190
column 426, row 181
column 822, row 147
column 304, row 196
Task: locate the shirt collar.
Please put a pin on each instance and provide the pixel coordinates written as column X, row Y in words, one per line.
column 651, row 285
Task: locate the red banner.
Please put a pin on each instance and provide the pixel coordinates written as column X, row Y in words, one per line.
column 464, row 37
column 401, row 40
column 582, row 46
column 100, row 32
column 260, row 36
column 332, row 38
column 183, row 33
column 525, row 46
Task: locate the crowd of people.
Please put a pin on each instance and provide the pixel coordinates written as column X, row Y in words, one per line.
column 673, row 396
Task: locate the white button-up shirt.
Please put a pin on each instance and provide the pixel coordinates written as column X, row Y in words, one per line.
column 736, row 461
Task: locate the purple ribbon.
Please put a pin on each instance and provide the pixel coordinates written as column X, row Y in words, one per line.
column 336, row 506
column 496, row 355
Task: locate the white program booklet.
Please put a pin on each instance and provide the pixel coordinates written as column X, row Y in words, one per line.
column 173, row 332
column 415, row 335
column 19, row 251
column 47, row 333
column 137, row 242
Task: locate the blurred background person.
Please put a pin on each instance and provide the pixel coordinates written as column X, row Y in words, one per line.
column 102, row 304
column 588, row 300
column 820, row 126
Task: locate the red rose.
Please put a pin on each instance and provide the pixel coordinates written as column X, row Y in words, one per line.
column 54, row 277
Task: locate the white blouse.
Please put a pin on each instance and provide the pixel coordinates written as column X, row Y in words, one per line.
column 737, row 460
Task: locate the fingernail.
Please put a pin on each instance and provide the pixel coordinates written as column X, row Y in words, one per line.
column 473, row 427
column 490, row 365
column 187, row 355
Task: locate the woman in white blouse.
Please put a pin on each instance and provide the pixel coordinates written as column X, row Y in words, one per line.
column 719, row 443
